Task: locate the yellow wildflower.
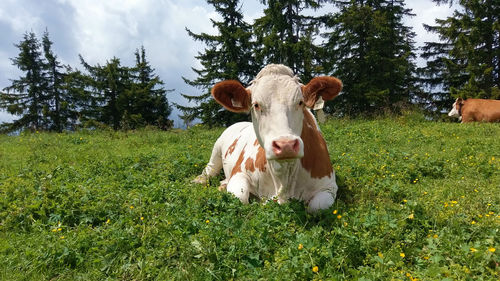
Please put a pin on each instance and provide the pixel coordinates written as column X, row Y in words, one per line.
column 300, row 247
column 491, row 249
column 473, row 222
column 315, row 269
column 142, row 218
column 339, row 217
column 411, row 216
column 131, row 207
column 108, row 221
column 334, row 212
column 426, row 258
column 435, row 236
column 402, row 255
column 380, row 255
column 207, row 221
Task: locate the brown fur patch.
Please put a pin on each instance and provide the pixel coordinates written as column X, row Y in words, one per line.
column 249, row 165
column 316, row 159
column 260, row 160
column 480, row 110
column 231, row 148
column 256, row 142
column 237, row 166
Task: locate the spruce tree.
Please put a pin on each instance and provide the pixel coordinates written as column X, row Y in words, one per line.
column 465, row 62
column 58, row 108
column 109, row 83
column 373, row 52
column 145, row 102
column 286, row 35
column 228, row 55
column 120, row 96
column 81, row 103
column 25, row 97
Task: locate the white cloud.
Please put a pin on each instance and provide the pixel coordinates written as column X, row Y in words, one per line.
column 18, row 15
column 116, row 28
column 425, row 13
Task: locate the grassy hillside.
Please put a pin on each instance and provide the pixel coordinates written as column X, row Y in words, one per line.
column 417, row 200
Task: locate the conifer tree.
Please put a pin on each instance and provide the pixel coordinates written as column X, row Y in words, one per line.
column 109, row 82
column 286, row 35
column 25, row 97
column 466, row 61
column 58, row 109
column 80, row 104
column 123, row 97
column 372, row 51
column 228, row 55
column 145, row 102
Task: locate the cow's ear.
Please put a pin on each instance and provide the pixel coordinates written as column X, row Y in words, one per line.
column 460, row 101
column 232, row 96
column 325, row 86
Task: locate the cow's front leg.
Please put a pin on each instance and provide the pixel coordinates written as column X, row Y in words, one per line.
column 213, row 166
column 239, row 185
column 320, row 201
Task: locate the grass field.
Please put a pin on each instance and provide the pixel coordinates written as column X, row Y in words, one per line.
column 417, row 200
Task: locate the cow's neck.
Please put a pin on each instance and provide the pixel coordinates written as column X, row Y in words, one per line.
column 284, row 175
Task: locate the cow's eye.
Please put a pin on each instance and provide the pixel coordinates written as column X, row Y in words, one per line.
column 301, row 103
column 256, row 106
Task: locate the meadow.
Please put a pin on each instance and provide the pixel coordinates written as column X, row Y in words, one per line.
column 418, row 200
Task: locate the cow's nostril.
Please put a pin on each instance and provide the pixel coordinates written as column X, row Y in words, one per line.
column 296, row 146
column 276, row 145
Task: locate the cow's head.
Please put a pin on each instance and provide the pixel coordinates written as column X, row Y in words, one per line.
column 277, row 103
column 456, row 111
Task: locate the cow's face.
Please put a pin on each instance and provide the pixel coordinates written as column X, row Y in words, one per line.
column 276, row 101
column 277, row 110
column 455, row 111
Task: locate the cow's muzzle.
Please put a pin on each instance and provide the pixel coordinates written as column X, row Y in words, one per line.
column 285, row 148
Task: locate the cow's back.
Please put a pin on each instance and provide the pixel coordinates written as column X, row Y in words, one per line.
column 481, row 110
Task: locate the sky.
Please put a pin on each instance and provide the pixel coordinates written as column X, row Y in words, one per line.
column 100, row 30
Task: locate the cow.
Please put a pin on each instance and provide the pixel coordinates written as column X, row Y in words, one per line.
column 281, row 154
column 471, row 110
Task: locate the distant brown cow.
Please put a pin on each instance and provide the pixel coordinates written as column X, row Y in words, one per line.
column 471, row 110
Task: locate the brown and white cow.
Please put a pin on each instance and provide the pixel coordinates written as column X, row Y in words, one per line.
column 471, row 110
column 281, row 154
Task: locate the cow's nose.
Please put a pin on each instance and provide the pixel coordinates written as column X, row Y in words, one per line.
column 286, row 148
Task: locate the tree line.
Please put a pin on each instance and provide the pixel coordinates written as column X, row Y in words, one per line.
column 365, row 43
column 55, row 97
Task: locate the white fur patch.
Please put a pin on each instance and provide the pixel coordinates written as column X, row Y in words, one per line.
column 322, row 200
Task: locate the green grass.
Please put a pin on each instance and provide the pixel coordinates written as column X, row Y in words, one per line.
column 417, row 199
